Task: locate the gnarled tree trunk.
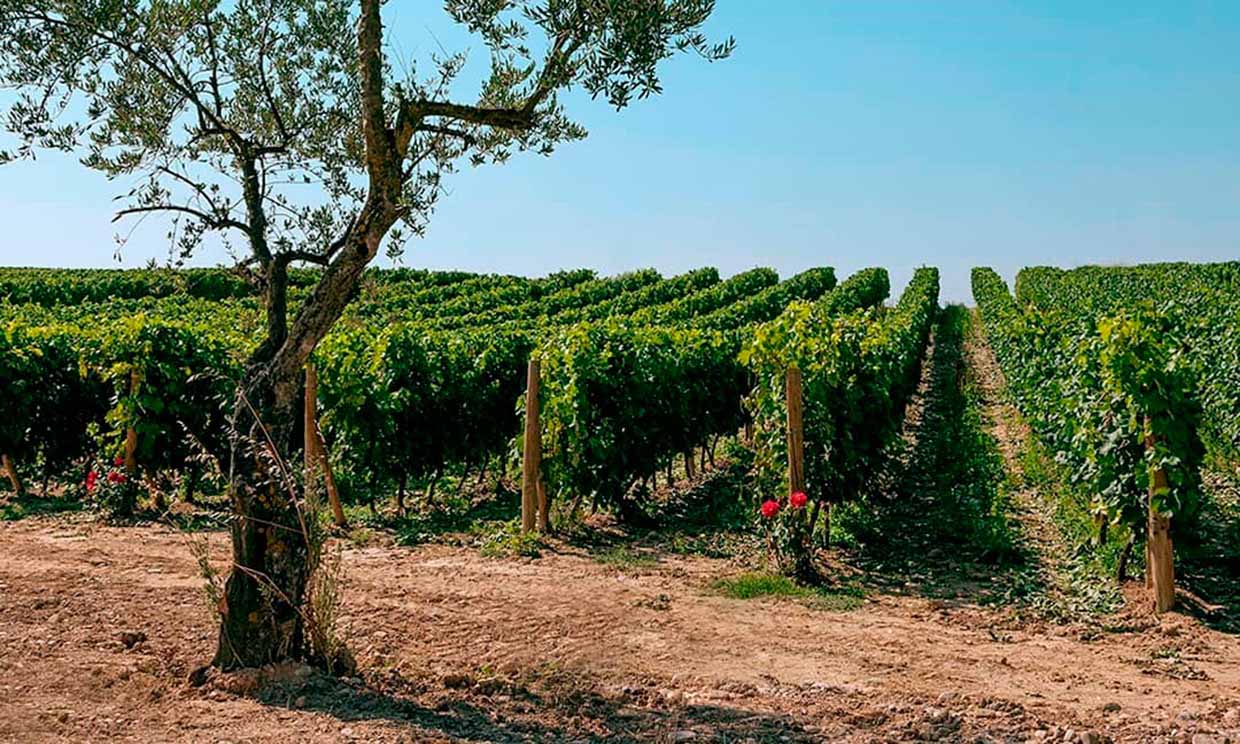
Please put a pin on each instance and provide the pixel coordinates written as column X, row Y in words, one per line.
column 261, row 619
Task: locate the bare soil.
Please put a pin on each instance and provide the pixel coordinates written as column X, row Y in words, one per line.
column 456, row 647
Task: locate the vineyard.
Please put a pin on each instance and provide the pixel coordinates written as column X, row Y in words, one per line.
column 146, row 376
column 584, row 391
column 827, row 439
column 1131, row 378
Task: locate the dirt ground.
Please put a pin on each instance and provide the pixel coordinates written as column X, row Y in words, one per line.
column 102, row 629
column 456, row 647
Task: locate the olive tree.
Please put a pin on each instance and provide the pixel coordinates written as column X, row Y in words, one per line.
column 287, row 130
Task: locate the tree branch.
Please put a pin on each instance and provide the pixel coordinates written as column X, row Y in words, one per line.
column 139, row 53
column 215, row 64
column 218, row 223
column 505, row 118
column 413, row 113
column 460, row 134
column 270, row 98
column 287, row 257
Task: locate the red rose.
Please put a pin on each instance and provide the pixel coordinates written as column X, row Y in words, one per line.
column 770, row 508
column 119, row 461
column 91, row 479
column 116, row 477
column 798, row 499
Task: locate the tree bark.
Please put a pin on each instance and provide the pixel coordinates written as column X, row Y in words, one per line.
column 261, row 619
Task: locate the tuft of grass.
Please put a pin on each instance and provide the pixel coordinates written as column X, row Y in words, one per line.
column 754, row 585
column 360, row 536
column 509, row 541
column 626, row 558
column 759, row 585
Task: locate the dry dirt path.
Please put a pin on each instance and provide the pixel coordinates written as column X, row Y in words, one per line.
column 459, row 647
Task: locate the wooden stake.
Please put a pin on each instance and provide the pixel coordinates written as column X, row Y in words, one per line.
column 11, row 470
column 131, row 435
column 333, row 494
column 1160, row 559
column 531, row 465
column 316, row 447
column 796, row 443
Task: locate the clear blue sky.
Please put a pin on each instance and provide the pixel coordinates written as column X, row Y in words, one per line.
column 843, row 133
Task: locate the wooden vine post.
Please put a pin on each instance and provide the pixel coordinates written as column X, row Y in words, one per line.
column 316, row 450
column 1159, row 557
column 796, row 437
column 533, row 496
column 131, row 434
column 11, row 471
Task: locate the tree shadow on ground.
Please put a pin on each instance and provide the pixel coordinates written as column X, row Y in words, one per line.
column 940, row 522
column 505, row 711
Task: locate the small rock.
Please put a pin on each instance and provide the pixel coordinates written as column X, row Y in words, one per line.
column 457, row 681
column 1206, row 739
column 346, row 732
column 300, row 702
column 199, row 676
column 685, row 735
column 130, row 638
column 1111, row 708
column 1089, row 737
column 1187, row 715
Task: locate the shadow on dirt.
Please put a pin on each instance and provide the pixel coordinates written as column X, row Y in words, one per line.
column 502, row 711
column 707, row 516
